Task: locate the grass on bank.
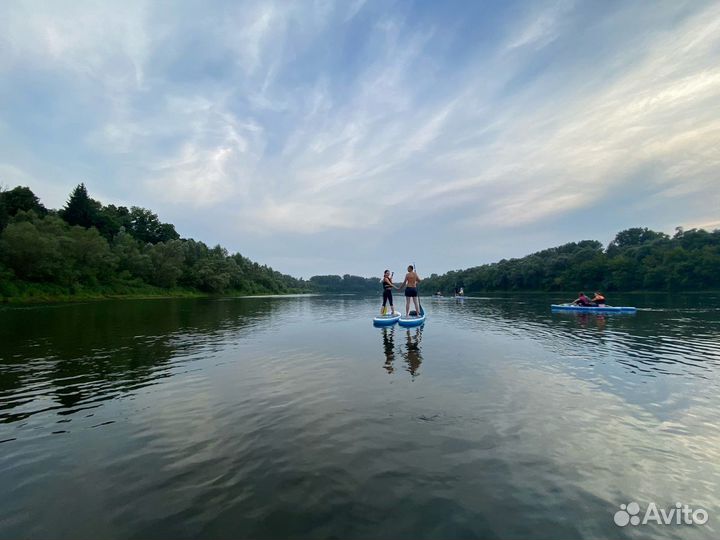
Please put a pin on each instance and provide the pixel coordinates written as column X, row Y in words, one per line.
column 19, row 292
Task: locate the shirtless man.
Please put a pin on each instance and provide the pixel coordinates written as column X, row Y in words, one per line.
column 410, row 284
column 582, row 300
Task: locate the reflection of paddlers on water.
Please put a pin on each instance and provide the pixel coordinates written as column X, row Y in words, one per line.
column 409, row 351
column 389, row 348
column 412, row 354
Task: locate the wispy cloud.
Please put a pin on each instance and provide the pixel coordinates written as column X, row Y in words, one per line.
column 541, row 27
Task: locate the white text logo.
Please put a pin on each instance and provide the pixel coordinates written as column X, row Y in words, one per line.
column 680, row 514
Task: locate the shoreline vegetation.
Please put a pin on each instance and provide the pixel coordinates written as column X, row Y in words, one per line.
column 637, row 260
column 43, row 295
column 89, row 251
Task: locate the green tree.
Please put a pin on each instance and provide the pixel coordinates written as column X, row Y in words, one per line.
column 636, row 236
column 214, row 275
column 4, row 214
column 33, row 253
column 90, row 255
column 167, row 261
column 19, row 199
column 132, row 260
column 146, row 227
column 111, row 219
column 80, row 209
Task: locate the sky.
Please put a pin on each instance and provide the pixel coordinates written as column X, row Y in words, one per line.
column 324, row 137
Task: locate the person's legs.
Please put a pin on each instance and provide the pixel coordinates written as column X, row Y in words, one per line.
column 417, row 306
column 407, row 306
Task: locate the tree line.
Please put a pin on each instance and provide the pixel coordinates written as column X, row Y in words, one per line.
column 637, row 259
column 88, row 247
column 346, row 284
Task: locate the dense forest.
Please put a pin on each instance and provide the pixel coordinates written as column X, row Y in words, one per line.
column 637, row 259
column 88, row 249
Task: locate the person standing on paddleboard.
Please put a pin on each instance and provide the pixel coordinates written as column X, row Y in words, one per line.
column 388, row 286
column 410, row 284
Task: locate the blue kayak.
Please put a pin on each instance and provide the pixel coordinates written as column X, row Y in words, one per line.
column 386, row 320
column 413, row 320
column 591, row 309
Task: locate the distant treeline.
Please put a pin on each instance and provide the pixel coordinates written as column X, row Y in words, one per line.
column 346, row 284
column 87, row 248
column 637, row 259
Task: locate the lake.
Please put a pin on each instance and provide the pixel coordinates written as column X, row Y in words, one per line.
column 295, row 417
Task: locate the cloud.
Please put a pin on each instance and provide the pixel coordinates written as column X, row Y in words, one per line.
column 103, row 43
column 216, row 159
column 541, row 28
column 318, row 121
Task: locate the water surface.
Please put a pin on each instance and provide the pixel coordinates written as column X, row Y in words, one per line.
column 294, row 417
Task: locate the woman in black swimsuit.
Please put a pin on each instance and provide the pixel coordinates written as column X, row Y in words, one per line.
column 388, row 286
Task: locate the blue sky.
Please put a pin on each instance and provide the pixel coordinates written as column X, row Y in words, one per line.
column 349, row 136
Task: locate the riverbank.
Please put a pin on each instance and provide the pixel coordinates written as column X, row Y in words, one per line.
column 43, row 293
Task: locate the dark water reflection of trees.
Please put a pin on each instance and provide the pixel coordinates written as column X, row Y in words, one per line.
column 87, row 353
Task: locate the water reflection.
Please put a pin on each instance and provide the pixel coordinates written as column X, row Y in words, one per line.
column 410, row 349
column 388, row 338
column 75, row 357
column 675, row 334
column 591, row 320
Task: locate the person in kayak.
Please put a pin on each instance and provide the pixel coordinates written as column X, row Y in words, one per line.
column 410, row 284
column 598, row 299
column 388, row 286
column 582, row 300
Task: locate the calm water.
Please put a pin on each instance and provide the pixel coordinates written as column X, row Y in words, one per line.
column 294, row 417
